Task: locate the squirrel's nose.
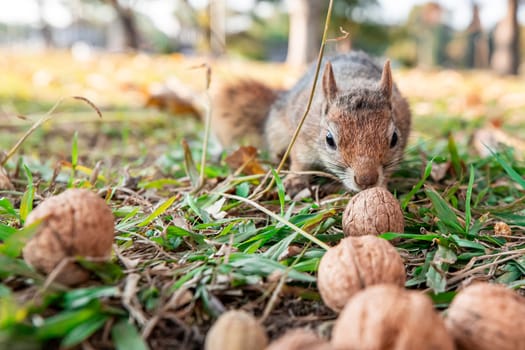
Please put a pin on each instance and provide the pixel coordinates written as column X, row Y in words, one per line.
column 366, row 180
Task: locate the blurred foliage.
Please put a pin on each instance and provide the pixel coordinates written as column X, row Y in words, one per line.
column 416, row 41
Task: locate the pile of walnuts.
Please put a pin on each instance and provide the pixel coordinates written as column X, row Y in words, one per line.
column 363, row 277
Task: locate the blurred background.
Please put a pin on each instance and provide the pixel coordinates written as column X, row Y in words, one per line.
column 483, row 34
column 142, row 63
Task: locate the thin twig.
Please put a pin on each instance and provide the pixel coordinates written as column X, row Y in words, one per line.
column 207, row 124
column 277, row 291
column 46, row 117
column 344, row 35
column 278, row 218
column 172, row 302
column 275, row 295
column 484, row 257
column 308, row 104
column 458, row 278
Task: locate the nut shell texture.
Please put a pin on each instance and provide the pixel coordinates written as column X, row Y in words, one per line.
column 487, row 316
column 236, row 330
column 299, row 339
column 76, row 222
column 386, row 317
column 354, row 264
column 372, row 212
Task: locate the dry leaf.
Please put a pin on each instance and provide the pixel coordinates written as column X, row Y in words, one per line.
column 5, row 183
column 289, row 252
column 246, row 158
column 439, row 171
column 502, row 229
column 170, row 102
column 215, row 209
column 472, row 99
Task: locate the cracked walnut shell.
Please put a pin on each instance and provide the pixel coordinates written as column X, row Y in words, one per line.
column 354, row 264
column 76, row 222
column 372, row 212
column 386, row 317
column 487, row 316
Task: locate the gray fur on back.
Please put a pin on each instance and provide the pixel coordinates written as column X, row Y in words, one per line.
column 355, row 73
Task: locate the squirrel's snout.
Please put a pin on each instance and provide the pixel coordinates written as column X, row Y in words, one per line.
column 366, row 180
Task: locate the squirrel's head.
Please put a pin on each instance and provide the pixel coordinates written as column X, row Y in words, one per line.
column 360, row 141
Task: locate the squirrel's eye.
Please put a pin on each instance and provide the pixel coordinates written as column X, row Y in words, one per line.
column 393, row 141
column 330, row 140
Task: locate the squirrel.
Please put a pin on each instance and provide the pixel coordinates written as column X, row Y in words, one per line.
column 357, row 126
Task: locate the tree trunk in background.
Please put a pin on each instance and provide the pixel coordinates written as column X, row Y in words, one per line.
column 305, row 34
column 217, row 27
column 45, row 28
column 506, row 56
column 127, row 19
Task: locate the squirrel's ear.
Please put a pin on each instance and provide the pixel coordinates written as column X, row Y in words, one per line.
column 386, row 80
column 329, row 85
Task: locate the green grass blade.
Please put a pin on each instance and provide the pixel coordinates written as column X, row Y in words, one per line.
column 392, row 235
column 6, row 232
column 444, row 213
column 197, row 208
column 158, row 211
column 74, row 151
column 454, row 156
column 26, row 204
column 280, row 219
column 251, row 264
column 83, row 331
column 126, row 337
column 13, row 245
column 81, row 297
column 177, row 231
column 442, row 299
column 468, row 213
column 16, row 267
column 514, row 175
column 417, row 187
column 189, row 164
column 435, row 280
column 188, row 276
column 465, row 243
column 280, row 189
column 242, row 189
column 275, row 251
column 59, row 325
column 7, row 208
column 74, row 159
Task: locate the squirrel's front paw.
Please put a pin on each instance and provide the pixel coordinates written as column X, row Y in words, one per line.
column 294, row 184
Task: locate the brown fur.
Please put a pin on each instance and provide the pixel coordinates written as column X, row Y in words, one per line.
column 239, row 112
column 356, row 101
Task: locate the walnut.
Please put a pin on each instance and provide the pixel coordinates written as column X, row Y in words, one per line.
column 299, row 339
column 372, row 212
column 386, row 317
column 76, row 222
column 487, row 316
column 354, row 264
column 236, row 330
